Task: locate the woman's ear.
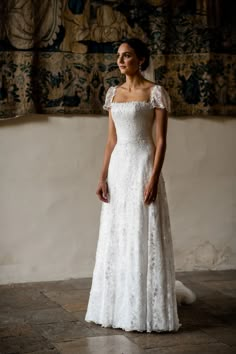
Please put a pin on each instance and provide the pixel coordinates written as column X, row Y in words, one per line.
column 142, row 60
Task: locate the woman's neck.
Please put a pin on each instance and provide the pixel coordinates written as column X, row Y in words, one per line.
column 134, row 82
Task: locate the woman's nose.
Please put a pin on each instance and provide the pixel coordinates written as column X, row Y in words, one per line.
column 120, row 60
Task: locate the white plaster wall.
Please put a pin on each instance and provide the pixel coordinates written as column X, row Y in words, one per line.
column 49, row 213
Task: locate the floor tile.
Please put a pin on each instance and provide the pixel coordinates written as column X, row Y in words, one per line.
column 209, row 275
column 226, row 335
column 211, row 348
column 227, row 287
column 100, row 345
column 82, row 283
column 152, row 340
column 24, row 344
column 71, row 300
column 35, row 316
column 64, row 331
column 15, row 330
column 18, row 298
column 80, row 315
column 198, row 314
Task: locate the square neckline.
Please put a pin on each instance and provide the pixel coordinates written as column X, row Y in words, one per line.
column 142, row 102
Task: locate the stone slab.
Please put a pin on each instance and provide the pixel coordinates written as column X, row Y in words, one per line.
column 210, row 348
column 64, row 331
column 159, row 340
column 117, row 344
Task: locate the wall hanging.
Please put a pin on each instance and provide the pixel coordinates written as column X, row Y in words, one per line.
column 58, row 56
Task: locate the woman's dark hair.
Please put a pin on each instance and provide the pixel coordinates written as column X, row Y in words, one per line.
column 141, row 50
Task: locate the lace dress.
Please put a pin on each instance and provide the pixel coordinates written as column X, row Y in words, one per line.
column 133, row 283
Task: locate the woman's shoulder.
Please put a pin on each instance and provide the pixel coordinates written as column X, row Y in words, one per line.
column 160, row 97
column 108, row 97
column 157, row 85
column 158, row 89
column 155, row 88
column 111, row 89
column 150, row 83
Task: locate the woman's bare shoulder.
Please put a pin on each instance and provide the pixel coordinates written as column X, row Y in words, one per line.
column 149, row 84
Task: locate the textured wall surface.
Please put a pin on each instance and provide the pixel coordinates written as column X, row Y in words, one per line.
column 49, row 215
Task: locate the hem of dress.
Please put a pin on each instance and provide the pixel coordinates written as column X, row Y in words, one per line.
column 135, row 329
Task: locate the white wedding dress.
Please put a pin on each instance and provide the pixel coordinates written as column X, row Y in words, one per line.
column 133, row 283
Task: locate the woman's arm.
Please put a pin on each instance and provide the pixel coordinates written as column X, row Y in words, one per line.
column 161, row 118
column 102, row 188
column 111, row 142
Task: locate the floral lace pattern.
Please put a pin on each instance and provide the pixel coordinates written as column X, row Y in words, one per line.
column 159, row 98
column 133, row 283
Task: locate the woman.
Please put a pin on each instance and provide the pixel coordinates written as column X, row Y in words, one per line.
column 133, row 285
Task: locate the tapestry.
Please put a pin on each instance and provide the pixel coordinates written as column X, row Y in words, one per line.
column 59, row 56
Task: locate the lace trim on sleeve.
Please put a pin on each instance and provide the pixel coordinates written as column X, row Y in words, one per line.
column 160, row 98
column 108, row 99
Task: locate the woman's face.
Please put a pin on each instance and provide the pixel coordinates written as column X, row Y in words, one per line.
column 127, row 60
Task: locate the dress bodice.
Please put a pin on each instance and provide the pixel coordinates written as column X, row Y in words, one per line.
column 134, row 119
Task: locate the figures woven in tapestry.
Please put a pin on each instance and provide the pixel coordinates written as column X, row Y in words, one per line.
column 59, row 56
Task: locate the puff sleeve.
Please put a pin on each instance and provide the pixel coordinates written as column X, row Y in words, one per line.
column 108, row 98
column 160, row 98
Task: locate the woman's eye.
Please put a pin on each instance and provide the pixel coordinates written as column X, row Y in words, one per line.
column 124, row 56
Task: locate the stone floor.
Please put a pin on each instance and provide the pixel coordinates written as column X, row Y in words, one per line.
column 48, row 318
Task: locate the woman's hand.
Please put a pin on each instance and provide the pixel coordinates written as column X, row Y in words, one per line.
column 102, row 191
column 150, row 191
